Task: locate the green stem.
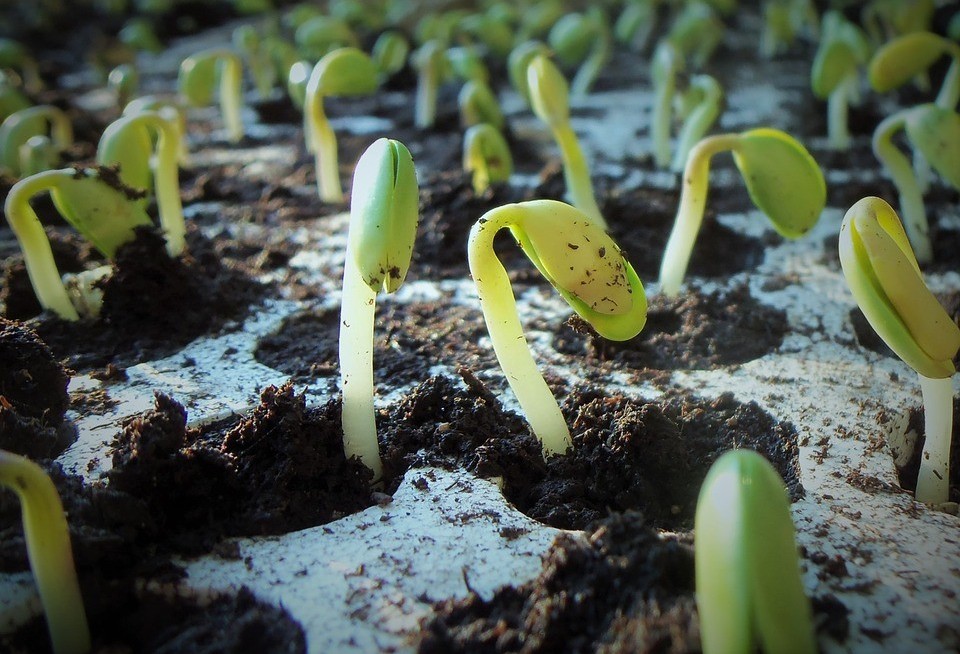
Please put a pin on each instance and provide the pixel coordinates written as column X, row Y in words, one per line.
column 837, row 111
column 425, row 109
column 660, row 118
column 693, row 200
column 357, row 311
column 949, row 93
column 576, row 174
column 591, row 67
column 231, row 88
column 481, row 176
column 37, row 255
column 167, row 182
column 506, row 333
column 901, row 171
column 699, row 121
column 323, row 144
column 933, row 483
column 48, row 548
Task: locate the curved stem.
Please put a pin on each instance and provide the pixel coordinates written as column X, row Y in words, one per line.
column 949, row 93
column 699, row 121
column 591, row 67
column 231, row 88
column 167, row 183
column 933, row 483
column 901, row 171
column 357, row 311
column 500, row 313
column 323, row 144
column 37, row 255
column 576, row 174
column 48, row 548
column 693, row 200
column 837, row 111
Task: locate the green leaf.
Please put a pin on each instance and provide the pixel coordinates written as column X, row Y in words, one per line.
column 901, row 59
column 345, row 71
column 783, row 180
column 935, row 131
column 198, row 76
column 572, row 37
column 584, row 265
column 517, row 63
column 104, row 215
column 321, row 34
column 549, row 91
column 384, row 210
column 832, row 64
column 747, row 568
column 128, row 143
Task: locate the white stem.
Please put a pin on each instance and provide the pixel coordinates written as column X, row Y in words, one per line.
column 323, row 142
column 660, row 120
column 837, row 111
column 425, row 108
column 167, row 183
column 231, row 83
column 357, row 312
column 933, row 483
column 500, row 313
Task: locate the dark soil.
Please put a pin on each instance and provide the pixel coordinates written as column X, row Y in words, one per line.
column 33, row 395
column 694, row 331
column 908, row 474
column 152, row 305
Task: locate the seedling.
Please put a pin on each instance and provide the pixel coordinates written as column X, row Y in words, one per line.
column 321, row 35
column 248, row 42
column 15, row 57
column 297, row 78
column 48, row 549
column 432, row 70
column 347, row 71
column 538, row 18
column 783, row 181
column 747, row 568
column 887, row 19
column 667, row 62
column 466, row 64
column 704, row 98
column 834, row 75
column 486, row 155
column 124, row 81
column 11, row 99
column 696, row 32
column 582, row 38
column 934, row 132
column 635, row 23
column 884, row 277
column 197, row 77
column 104, row 215
column 479, row 105
column 550, row 100
column 37, row 155
column 517, row 63
column 586, row 268
column 783, row 20
column 127, row 142
column 172, row 111
column 21, row 125
column 383, row 226
column 390, row 53
column 907, row 56
column 495, row 34
column 139, row 35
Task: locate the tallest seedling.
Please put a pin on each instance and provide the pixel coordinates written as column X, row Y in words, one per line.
column 383, row 225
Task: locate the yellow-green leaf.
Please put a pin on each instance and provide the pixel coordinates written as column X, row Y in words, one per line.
column 935, row 131
column 904, row 57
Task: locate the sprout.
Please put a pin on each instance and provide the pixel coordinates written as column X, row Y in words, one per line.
column 432, row 70
column 582, row 38
column 909, row 55
column 297, row 78
column 438, row 26
column 635, row 23
column 486, row 155
column 490, row 30
column 14, row 56
column 127, row 142
column 247, row 41
column 383, row 226
column 466, row 64
column 667, row 62
column 21, row 125
column 884, row 277
column 583, row 264
column 390, row 53
column 123, row 80
column 347, row 71
column 539, row 18
column 935, row 133
column 139, row 35
column 170, row 110
column 783, row 180
column 518, row 62
column 11, row 99
column 38, row 154
column 550, row 101
column 197, row 76
column 748, row 571
column 104, row 215
column 321, row 35
column 48, row 549
column 884, row 20
column 479, row 105
column 706, row 98
column 696, row 32
column 842, row 50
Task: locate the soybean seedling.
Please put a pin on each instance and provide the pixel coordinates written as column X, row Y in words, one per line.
column 582, row 38
column 104, row 215
column 911, row 54
column 834, row 76
column 433, row 69
column 48, row 549
column 491, row 30
column 550, row 100
column 704, row 98
column 11, row 99
column 487, row 156
column 198, row 74
column 383, row 226
column 586, row 268
column 934, row 133
column 124, row 80
column 885, row 20
column 321, row 35
column 14, row 56
column 467, row 64
column 783, row 181
column 346, row 71
column 635, row 23
column 884, row 277
column 390, row 52
column 747, row 567
column 247, row 41
column 667, row 62
column 19, row 126
column 127, row 142
column 479, row 105
column 696, row 32
column 172, row 111
column 517, row 63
